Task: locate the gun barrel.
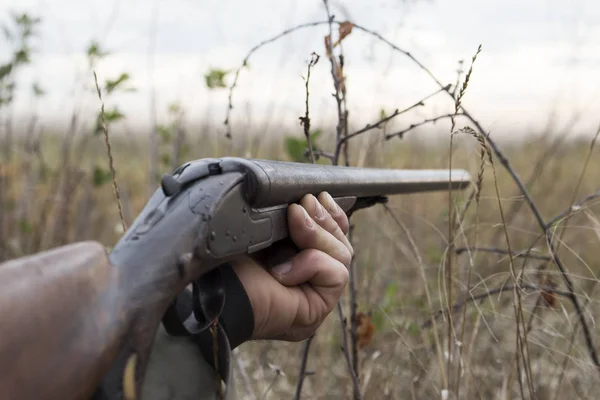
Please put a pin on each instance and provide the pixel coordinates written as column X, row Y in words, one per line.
column 271, row 183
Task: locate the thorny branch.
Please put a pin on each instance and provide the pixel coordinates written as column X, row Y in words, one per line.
column 382, row 121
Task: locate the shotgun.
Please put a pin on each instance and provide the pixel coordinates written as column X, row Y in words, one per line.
column 76, row 319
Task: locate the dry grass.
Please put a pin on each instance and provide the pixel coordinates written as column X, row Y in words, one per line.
column 401, row 361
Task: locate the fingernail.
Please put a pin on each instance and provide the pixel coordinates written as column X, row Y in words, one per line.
column 282, row 269
column 319, row 212
column 307, row 219
column 332, row 206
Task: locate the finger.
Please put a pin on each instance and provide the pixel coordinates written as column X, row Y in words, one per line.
column 307, row 234
column 322, row 216
column 335, row 211
column 326, row 275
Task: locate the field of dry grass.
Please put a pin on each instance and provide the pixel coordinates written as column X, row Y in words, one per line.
column 400, row 278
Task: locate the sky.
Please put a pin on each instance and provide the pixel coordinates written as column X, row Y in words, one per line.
column 540, row 63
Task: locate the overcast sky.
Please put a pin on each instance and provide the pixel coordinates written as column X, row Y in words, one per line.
column 539, row 57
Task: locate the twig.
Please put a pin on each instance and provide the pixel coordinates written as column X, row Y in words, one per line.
column 302, row 374
column 305, row 121
column 227, row 121
column 308, row 342
column 574, row 208
column 109, row 152
column 396, row 113
column 490, row 292
column 336, row 82
column 520, row 254
column 278, row 373
column 319, row 153
column 153, row 142
column 355, row 383
column 401, row 133
column 353, row 309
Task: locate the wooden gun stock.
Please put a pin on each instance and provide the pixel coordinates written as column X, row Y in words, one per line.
column 65, row 305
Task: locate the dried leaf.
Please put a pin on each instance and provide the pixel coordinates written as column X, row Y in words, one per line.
column 364, row 330
column 339, row 74
column 549, row 297
column 327, row 44
column 344, row 30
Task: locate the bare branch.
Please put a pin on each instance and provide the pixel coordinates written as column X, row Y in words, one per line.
column 490, row 292
column 396, row 113
column 520, row 254
column 355, row 383
column 401, row 133
column 254, row 49
column 574, row 208
column 305, row 120
column 303, row 363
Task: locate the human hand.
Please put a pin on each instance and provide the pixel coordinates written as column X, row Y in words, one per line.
column 292, row 299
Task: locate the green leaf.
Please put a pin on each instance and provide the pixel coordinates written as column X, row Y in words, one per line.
column 414, row 329
column 95, row 51
column 389, row 298
column 113, row 115
column 165, row 159
column 378, row 319
column 165, row 133
column 111, row 85
column 37, row 90
column 314, row 135
column 25, row 226
column 175, row 108
column 382, row 114
column 5, row 70
column 22, row 56
column 101, row 176
column 109, row 116
column 215, row 78
column 295, row 149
